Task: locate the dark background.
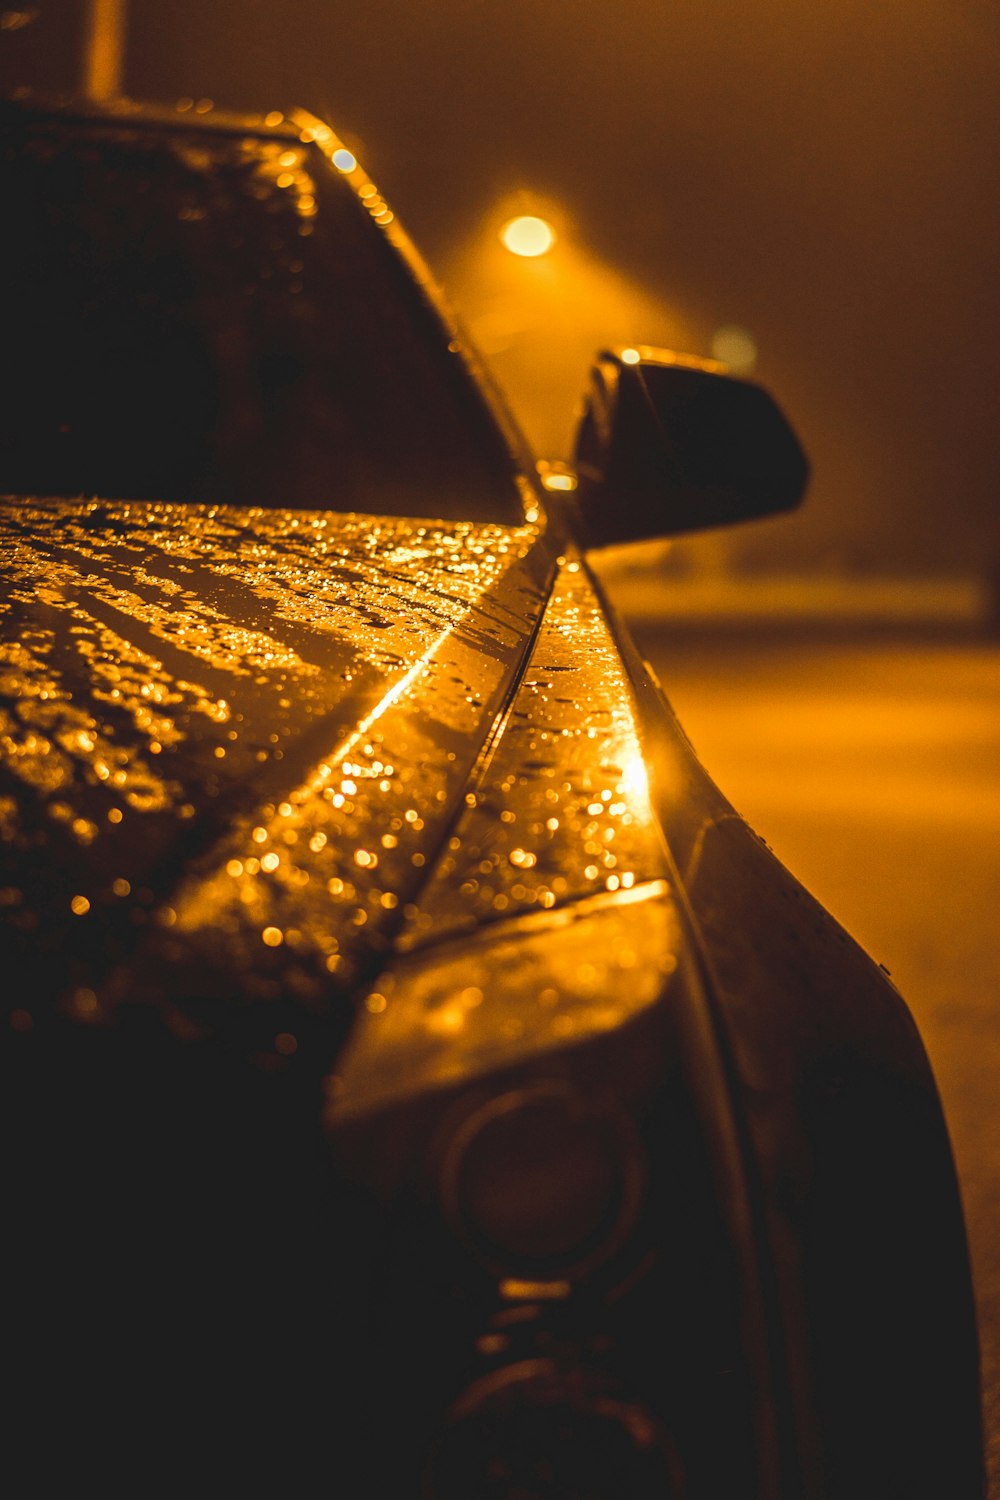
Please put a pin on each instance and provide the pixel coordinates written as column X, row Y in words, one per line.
column 824, row 175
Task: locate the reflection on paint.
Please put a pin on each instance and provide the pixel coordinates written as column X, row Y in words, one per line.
column 558, row 843
column 241, row 739
column 561, row 808
column 504, row 995
column 164, row 674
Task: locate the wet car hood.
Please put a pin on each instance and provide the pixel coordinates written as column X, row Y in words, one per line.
column 245, row 754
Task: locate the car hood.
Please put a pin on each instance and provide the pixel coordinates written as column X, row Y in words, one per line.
column 247, row 755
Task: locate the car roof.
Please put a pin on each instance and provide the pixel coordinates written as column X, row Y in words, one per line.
column 187, row 113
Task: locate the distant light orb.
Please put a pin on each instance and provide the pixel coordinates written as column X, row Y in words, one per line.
column 631, row 356
column 528, row 236
column 735, row 347
column 344, row 160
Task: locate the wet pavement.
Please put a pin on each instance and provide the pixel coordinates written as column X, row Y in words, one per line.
column 872, row 768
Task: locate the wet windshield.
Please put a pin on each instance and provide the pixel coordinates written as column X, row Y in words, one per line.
column 191, row 314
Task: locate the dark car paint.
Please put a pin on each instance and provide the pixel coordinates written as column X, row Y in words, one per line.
column 838, row 1132
column 790, row 1314
column 827, row 1142
column 194, row 674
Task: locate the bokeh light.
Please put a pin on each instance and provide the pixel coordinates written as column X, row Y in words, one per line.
column 528, row 235
column 735, row 347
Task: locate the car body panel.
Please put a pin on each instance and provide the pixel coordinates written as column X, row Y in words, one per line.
column 474, row 1005
column 559, row 809
column 328, row 838
column 843, row 1148
column 177, row 678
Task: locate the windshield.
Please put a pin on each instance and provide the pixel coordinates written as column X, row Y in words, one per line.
column 199, row 315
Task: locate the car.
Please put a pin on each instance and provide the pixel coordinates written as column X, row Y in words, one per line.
column 421, row 1080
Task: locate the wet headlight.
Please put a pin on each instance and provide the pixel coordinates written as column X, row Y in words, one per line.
column 541, row 1183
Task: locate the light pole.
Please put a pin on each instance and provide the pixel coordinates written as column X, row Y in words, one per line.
column 104, row 49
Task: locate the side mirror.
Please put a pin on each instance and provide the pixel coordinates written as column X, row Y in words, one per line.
column 669, row 443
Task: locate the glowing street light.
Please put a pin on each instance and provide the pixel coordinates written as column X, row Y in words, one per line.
column 528, row 236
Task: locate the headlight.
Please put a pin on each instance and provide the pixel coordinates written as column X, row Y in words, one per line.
column 541, row 1183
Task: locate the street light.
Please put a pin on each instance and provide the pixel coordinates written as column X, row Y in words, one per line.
column 104, row 49
column 528, row 235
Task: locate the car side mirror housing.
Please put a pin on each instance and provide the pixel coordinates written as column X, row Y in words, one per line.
column 669, row 443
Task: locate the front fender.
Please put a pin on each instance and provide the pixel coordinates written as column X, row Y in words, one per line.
column 847, row 1161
